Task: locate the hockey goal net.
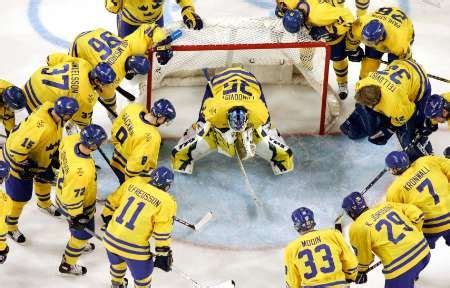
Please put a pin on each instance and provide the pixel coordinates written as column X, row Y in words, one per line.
column 290, row 67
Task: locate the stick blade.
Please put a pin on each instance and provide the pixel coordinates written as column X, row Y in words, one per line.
column 203, row 221
column 226, row 284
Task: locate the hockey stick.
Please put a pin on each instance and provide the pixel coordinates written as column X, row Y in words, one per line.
column 125, row 93
column 196, row 284
column 112, row 112
column 3, row 136
column 429, row 75
column 374, row 266
column 241, row 166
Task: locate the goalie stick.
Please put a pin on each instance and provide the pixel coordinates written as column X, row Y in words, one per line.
column 241, row 166
column 196, row 284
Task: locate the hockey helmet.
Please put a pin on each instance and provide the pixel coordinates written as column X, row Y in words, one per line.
column 65, row 107
column 354, row 205
column 237, row 119
column 373, row 32
column 303, row 219
column 14, row 98
column 162, row 177
column 92, row 136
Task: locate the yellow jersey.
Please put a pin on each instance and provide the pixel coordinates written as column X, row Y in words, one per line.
column 319, row 258
column 335, row 17
column 64, row 76
column 36, row 138
column 399, row 32
column 426, row 185
column 235, row 87
column 7, row 115
column 100, row 45
column 403, row 83
column 5, row 204
column 393, row 232
column 77, row 179
column 136, row 141
column 139, row 211
column 137, row 12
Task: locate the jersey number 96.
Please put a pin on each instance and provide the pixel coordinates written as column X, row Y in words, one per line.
column 105, row 44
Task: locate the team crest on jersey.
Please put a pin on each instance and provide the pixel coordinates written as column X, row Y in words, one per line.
column 40, row 124
column 80, row 171
column 148, row 137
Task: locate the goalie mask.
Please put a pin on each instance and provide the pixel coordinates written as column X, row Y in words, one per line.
column 237, row 119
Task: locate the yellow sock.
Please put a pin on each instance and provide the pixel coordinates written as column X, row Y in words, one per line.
column 361, row 7
column 368, row 65
column 341, row 70
column 143, row 283
column 73, row 250
column 42, row 191
column 117, row 272
column 12, row 220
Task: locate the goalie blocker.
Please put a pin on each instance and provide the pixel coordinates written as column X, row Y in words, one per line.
column 233, row 119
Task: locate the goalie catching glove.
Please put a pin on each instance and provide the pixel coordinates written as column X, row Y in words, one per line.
column 163, row 259
column 191, row 19
column 164, row 51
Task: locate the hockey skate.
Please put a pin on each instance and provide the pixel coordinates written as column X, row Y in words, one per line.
column 123, row 285
column 88, row 248
column 68, row 269
column 343, row 91
column 17, row 236
column 51, row 210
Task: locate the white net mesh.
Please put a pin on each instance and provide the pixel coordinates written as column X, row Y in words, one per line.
column 303, row 64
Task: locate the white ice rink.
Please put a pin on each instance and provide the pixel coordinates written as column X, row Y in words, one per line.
column 32, row 29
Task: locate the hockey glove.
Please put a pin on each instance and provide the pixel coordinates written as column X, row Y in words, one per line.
column 355, row 55
column 106, row 220
column 427, row 128
column 164, row 51
column 361, row 278
column 191, row 19
column 163, row 259
column 318, row 33
column 382, row 136
column 30, row 169
column 3, row 255
column 78, row 222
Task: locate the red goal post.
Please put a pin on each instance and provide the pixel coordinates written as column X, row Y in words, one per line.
column 189, row 50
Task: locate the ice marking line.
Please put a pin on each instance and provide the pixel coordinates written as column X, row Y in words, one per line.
column 39, row 27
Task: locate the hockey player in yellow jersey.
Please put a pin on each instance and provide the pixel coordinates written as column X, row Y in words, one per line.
column 127, row 56
column 393, row 232
column 133, row 13
column 318, row 258
column 392, row 101
column 136, row 138
column 233, row 119
column 77, row 191
column 5, row 205
column 69, row 76
column 387, row 30
column 437, row 109
column 11, row 98
column 136, row 211
column 30, row 150
column 424, row 183
column 325, row 20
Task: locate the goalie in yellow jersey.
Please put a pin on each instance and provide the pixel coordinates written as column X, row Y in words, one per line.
column 137, row 211
column 325, row 20
column 77, row 191
column 136, row 138
column 30, row 150
column 318, row 258
column 392, row 231
column 69, row 76
column 393, row 101
column 133, row 13
column 424, row 183
column 387, row 30
column 5, row 204
column 11, row 98
column 233, row 119
column 127, row 56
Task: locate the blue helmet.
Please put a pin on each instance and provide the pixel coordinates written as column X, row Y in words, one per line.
column 397, row 160
column 293, row 20
column 92, row 136
column 137, row 65
column 14, row 98
column 4, row 169
column 237, row 118
column 104, row 73
column 161, row 177
column 66, row 106
column 434, row 106
column 373, row 32
column 354, row 204
column 303, row 219
column 163, row 108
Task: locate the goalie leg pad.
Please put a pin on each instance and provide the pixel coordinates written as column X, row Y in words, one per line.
column 191, row 147
column 272, row 147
